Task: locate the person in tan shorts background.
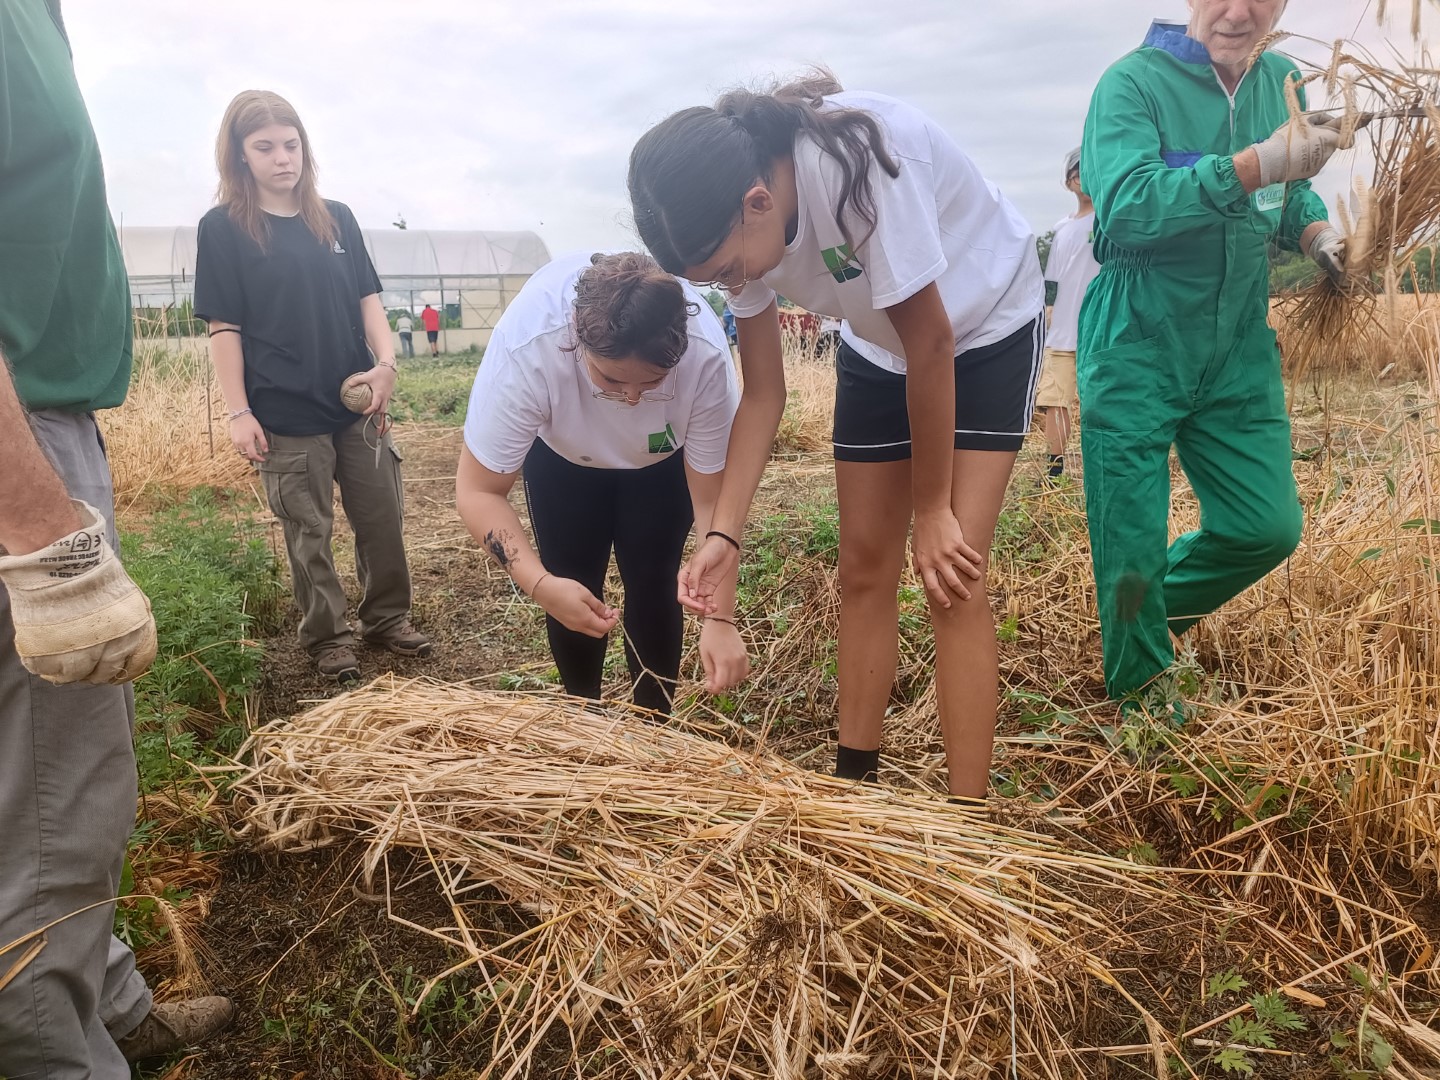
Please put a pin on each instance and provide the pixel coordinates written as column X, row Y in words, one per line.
column 1072, row 266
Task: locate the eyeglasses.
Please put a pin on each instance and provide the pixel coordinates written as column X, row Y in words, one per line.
column 620, row 397
column 744, row 271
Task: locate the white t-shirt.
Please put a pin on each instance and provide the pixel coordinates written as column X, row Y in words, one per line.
column 529, row 385
column 404, row 325
column 1072, row 267
column 939, row 221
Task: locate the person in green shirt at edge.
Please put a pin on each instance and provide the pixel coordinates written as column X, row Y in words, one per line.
column 1195, row 167
column 74, row 629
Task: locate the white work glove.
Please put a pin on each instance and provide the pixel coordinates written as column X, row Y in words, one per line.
column 1298, row 150
column 78, row 616
column 1328, row 250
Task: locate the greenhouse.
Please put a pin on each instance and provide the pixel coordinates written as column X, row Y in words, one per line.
column 469, row 276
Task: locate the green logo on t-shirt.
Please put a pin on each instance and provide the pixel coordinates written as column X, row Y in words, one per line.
column 840, row 261
column 663, row 442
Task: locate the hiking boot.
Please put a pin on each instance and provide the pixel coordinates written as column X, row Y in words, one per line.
column 338, row 662
column 174, row 1025
column 403, row 640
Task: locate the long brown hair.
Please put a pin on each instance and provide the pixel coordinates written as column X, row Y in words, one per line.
column 689, row 173
column 247, row 113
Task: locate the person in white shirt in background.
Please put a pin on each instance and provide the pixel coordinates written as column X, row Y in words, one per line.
column 406, row 328
column 612, row 385
column 861, row 207
column 1072, row 267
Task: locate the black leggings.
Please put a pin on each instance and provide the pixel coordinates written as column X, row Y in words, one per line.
column 577, row 515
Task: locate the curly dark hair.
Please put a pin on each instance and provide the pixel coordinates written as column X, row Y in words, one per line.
column 626, row 306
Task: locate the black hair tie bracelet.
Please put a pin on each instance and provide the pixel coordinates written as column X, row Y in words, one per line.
column 724, row 536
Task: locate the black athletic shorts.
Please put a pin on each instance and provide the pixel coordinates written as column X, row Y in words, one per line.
column 994, row 397
column 432, row 336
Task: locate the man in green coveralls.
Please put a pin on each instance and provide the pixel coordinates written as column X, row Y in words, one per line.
column 1194, row 167
column 74, row 629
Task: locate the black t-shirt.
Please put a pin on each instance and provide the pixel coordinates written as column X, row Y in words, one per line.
column 297, row 304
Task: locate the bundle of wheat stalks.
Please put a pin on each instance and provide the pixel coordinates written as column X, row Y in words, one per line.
column 1386, row 220
column 704, row 912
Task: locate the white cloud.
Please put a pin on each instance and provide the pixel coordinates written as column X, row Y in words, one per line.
column 514, row 115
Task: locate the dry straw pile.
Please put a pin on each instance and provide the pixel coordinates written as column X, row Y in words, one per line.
column 707, row 912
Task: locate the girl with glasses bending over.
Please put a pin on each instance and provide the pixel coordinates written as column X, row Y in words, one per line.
column 858, row 206
column 610, row 385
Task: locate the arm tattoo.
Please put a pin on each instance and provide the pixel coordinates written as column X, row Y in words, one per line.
column 501, row 546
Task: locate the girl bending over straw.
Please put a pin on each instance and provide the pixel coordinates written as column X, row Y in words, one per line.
column 860, row 207
column 611, row 383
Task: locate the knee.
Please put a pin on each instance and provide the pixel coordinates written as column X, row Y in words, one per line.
column 864, row 574
column 961, row 611
column 1272, row 540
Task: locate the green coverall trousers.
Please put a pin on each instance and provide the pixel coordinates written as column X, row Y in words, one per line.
column 1223, row 409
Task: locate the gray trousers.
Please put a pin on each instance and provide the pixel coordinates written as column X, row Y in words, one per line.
column 67, row 804
column 300, row 473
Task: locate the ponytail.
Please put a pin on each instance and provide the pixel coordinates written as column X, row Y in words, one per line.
column 690, row 172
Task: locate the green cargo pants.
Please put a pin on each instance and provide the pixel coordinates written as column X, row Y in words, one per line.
column 1223, row 409
column 300, row 473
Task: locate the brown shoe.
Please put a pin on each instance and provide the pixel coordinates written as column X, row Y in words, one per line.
column 404, row 640
column 338, row 661
column 173, row 1025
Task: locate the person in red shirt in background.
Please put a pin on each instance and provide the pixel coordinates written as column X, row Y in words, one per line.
column 431, row 318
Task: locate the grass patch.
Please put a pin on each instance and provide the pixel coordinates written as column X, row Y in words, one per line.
column 436, row 389
column 213, row 592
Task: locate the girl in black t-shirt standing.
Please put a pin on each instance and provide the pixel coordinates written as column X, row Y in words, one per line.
column 293, row 304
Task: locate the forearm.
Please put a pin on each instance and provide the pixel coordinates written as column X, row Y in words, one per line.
column 930, row 400
column 1247, row 169
column 229, row 360
column 924, row 329
column 1313, row 230
column 1305, row 216
column 752, row 434
column 35, row 508
column 495, row 525
column 377, row 330
column 704, row 522
column 751, row 437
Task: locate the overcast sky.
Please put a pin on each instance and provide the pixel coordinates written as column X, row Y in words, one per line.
column 503, row 114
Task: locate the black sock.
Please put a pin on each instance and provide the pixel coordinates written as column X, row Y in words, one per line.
column 969, row 803
column 1057, row 465
column 862, row 765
